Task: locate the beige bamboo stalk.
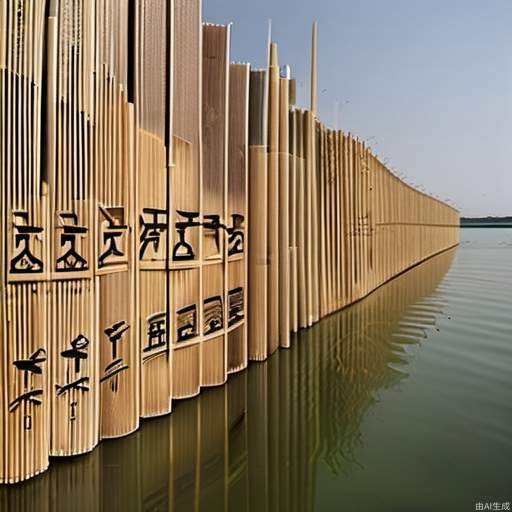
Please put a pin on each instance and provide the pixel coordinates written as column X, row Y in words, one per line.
column 283, row 212
column 293, row 216
column 215, row 121
column 237, row 205
column 258, row 208
column 273, row 201
column 185, row 193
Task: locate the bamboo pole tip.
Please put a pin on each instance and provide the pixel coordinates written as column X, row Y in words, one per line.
column 274, row 61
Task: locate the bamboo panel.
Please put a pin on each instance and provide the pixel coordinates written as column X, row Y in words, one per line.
column 114, row 193
column 119, row 359
column 152, row 74
column 24, row 218
column 185, row 206
column 186, row 329
column 155, row 360
column 25, row 400
column 258, row 241
column 74, row 378
column 237, row 246
column 215, row 124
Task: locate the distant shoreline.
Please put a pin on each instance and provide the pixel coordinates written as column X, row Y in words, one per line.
column 485, row 225
column 486, row 222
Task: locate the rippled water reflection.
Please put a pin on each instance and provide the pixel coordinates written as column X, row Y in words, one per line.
column 401, row 402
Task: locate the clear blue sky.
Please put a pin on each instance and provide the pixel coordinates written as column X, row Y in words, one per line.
column 430, row 80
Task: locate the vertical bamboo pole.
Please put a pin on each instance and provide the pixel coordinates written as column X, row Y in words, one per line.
column 258, row 207
column 273, row 201
column 293, row 221
column 237, row 205
column 284, row 211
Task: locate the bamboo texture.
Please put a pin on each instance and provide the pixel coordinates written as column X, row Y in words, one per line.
column 167, row 216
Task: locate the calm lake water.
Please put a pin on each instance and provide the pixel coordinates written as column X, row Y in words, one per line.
column 402, row 402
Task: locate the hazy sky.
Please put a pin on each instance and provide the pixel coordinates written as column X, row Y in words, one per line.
column 430, row 80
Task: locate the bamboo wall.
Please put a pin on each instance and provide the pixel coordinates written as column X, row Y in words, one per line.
column 167, row 216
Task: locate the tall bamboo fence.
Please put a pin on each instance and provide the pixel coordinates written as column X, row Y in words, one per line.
column 167, row 216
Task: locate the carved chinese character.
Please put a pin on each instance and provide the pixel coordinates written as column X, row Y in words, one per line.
column 213, row 314
column 74, row 380
column 31, row 395
column 70, row 260
column 113, row 230
column 115, row 335
column 156, row 335
column 235, row 305
column 182, row 249
column 25, row 262
column 154, row 224
column 236, row 235
column 186, row 322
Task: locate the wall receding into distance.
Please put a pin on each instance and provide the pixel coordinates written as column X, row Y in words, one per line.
column 167, row 216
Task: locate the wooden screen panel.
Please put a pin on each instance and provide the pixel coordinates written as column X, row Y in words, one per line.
column 74, row 379
column 25, row 231
column 258, row 201
column 215, row 122
column 119, row 358
column 152, row 178
column 186, row 332
column 186, row 200
column 155, row 343
column 237, row 246
column 25, row 400
column 114, row 225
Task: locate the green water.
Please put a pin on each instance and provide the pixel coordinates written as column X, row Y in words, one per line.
column 402, row 402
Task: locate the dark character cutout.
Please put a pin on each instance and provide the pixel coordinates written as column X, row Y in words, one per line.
column 236, row 235
column 213, row 316
column 235, row 305
column 183, row 250
column 71, row 260
column 113, row 369
column 156, row 336
column 30, row 396
column 112, row 235
column 78, row 353
column 186, row 321
column 154, row 223
column 213, row 223
column 25, row 262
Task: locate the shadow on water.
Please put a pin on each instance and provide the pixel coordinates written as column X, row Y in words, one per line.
column 254, row 444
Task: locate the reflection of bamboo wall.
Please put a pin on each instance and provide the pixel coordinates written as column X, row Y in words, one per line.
column 132, row 154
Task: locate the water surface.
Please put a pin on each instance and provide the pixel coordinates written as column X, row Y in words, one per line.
column 401, row 402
